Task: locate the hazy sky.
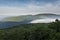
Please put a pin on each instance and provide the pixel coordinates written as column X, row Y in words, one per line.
column 24, row 7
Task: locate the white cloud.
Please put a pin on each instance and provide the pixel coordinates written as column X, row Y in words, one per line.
column 31, row 9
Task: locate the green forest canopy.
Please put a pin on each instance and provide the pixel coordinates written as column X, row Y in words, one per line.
column 39, row 31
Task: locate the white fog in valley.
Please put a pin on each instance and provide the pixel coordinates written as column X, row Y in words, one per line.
column 43, row 20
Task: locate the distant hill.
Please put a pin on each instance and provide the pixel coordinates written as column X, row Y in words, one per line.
column 31, row 17
column 26, row 19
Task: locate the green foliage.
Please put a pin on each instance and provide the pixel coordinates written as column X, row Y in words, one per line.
column 55, row 26
column 48, row 31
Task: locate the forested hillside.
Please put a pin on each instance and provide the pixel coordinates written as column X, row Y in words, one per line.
column 39, row 31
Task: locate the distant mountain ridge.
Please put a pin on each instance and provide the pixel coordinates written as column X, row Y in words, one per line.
column 47, row 14
column 30, row 17
column 26, row 19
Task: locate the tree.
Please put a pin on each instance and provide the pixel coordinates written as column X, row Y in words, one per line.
column 56, row 20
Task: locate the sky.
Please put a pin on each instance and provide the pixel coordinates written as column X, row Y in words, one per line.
column 28, row 7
